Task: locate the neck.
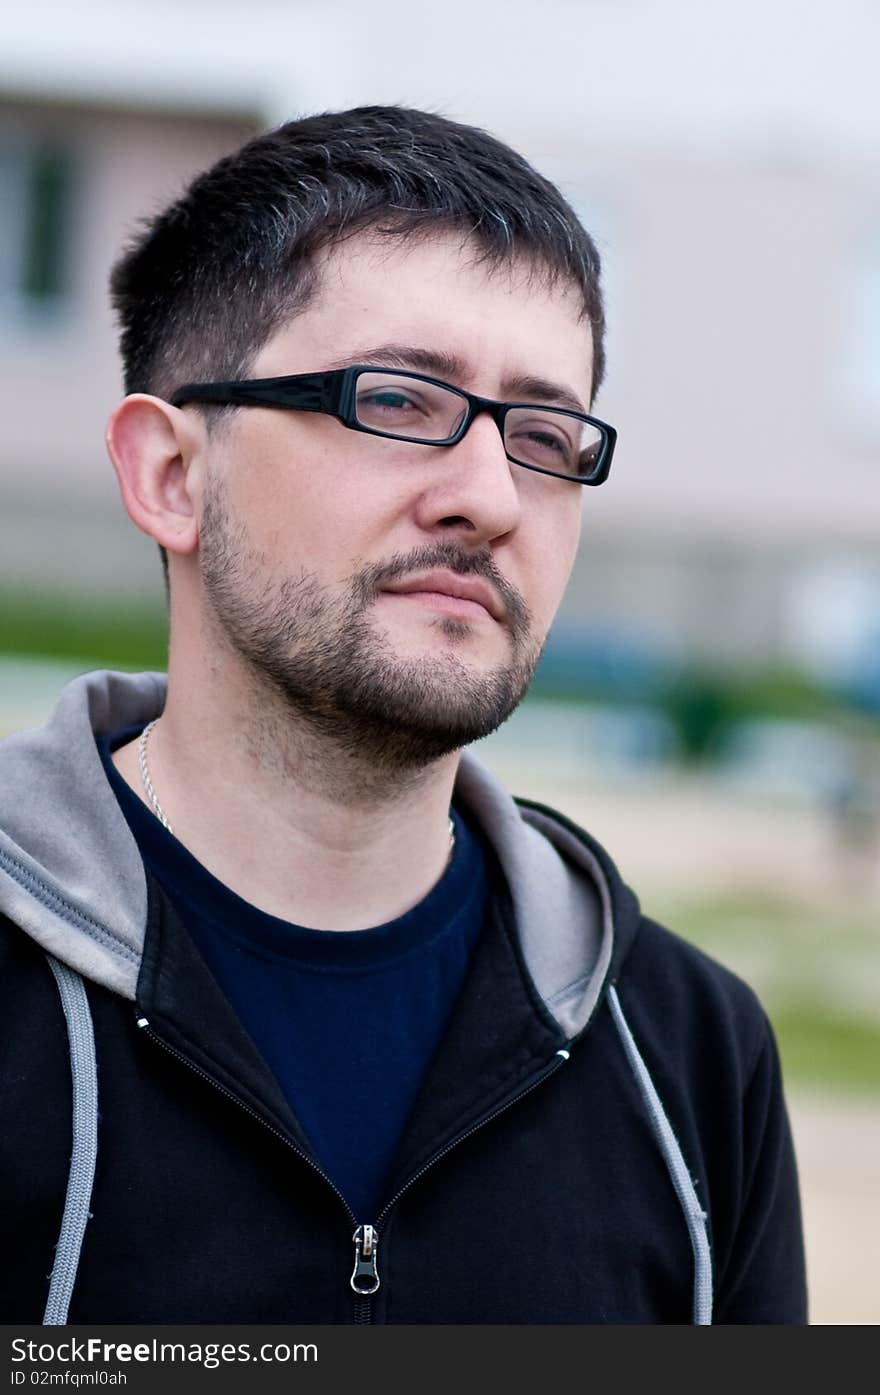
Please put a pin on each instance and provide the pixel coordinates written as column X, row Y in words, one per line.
column 290, row 820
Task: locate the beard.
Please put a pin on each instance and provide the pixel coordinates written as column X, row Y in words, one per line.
column 336, row 670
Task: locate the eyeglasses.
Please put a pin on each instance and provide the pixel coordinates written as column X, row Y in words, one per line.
column 411, row 407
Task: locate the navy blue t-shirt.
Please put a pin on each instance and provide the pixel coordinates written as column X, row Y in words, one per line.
column 348, row 1020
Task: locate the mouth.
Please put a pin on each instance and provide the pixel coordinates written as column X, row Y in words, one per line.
column 466, row 597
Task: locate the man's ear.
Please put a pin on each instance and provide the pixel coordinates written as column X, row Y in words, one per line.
column 152, row 446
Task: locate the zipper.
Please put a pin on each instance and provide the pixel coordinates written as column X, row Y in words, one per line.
column 144, row 1025
column 364, row 1279
column 365, row 1276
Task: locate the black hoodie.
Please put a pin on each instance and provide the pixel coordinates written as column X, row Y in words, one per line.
column 602, row 1136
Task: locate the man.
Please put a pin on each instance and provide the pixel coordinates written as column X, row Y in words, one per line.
column 312, row 1021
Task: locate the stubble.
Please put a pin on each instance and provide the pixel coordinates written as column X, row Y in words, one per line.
column 332, row 664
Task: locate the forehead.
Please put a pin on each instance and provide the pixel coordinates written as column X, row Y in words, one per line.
column 487, row 321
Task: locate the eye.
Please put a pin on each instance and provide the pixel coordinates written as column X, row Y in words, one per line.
column 416, row 408
column 390, row 401
column 542, row 441
column 546, row 440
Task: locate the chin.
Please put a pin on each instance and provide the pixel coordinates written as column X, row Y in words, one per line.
column 460, row 640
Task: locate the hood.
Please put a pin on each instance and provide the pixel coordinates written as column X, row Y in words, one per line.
column 72, row 878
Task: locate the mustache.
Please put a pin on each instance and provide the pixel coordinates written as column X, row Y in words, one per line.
column 372, row 579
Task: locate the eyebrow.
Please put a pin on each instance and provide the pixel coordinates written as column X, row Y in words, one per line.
column 454, row 370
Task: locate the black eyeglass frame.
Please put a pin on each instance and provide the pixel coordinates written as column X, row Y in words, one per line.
column 334, row 393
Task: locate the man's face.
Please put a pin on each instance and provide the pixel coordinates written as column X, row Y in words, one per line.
column 329, row 557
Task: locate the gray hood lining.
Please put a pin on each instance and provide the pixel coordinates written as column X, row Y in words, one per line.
column 70, row 872
column 71, row 875
column 561, row 898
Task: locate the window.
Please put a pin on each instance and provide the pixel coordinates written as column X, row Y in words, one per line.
column 35, row 199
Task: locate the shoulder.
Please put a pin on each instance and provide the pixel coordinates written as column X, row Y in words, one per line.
column 679, row 974
column 703, row 1028
column 682, row 999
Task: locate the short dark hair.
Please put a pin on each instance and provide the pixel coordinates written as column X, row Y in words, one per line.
column 209, row 280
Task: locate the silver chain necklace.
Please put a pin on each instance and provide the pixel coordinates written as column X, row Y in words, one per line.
column 160, row 812
column 145, row 775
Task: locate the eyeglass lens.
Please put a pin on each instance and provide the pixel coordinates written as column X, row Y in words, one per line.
column 545, row 437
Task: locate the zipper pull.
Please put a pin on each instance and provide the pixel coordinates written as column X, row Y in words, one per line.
column 364, row 1277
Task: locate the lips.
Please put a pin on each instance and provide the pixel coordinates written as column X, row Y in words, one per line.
column 465, row 588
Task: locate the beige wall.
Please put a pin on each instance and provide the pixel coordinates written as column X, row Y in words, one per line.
column 738, row 456
column 729, row 345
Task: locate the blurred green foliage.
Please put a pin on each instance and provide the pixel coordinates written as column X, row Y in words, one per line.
column 788, row 954
column 705, row 705
column 100, row 635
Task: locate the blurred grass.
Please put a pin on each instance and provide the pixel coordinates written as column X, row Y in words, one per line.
column 818, row 1048
column 816, row 971
column 99, row 634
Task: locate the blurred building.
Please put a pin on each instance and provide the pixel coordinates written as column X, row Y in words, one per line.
column 732, row 180
column 76, row 177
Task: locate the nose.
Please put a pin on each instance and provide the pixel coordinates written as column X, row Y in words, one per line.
column 473, row 486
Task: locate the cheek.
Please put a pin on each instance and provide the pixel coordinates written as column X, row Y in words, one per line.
column 297, row 504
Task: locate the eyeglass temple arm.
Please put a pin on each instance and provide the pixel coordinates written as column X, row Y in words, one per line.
column 307, row 392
